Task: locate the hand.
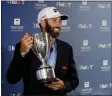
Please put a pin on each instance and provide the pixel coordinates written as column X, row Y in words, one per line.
column 25, row 44
column 58, row 85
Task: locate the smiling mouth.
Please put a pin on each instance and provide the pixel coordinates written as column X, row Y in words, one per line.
column 56, row 29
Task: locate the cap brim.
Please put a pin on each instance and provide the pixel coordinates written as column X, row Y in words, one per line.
column 64, row 17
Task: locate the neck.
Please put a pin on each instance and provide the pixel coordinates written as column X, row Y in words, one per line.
column 53, row 40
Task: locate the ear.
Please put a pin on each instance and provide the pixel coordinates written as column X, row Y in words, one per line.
column 43, row 25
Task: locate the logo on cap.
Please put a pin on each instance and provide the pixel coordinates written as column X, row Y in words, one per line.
column 55, row 10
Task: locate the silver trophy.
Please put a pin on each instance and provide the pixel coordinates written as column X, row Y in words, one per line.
column 41, row 42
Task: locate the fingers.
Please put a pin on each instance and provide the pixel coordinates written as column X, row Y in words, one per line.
column 26, row 44
column 54, row 87
column 26, row 36
column 28, row 40
column 55, row 83
column 58, row 85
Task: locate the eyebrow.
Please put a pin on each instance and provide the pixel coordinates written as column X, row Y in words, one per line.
column 55, row 18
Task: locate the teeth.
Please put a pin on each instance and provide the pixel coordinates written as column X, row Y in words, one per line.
column 56, row 29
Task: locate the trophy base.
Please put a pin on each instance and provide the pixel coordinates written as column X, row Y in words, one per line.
column 48, row 80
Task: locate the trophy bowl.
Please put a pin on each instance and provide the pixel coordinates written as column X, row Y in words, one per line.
column 46, row 74
column 41, row 42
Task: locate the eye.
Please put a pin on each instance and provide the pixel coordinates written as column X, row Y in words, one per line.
column 54, row 19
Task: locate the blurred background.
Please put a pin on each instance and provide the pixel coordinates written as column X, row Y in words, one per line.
column 88, row 30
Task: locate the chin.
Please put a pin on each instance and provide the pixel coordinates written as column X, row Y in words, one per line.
column 54, row 36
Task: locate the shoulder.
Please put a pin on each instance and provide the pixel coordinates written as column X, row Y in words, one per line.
column 17, row 46
column 64, row 44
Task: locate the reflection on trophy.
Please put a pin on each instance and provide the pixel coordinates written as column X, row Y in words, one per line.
column 41, row 42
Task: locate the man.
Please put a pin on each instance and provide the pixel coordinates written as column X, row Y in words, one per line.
column 25, row 63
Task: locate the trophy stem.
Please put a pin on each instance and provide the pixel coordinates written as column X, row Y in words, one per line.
column 47, row 45
column 40, row 58
column 36, row 54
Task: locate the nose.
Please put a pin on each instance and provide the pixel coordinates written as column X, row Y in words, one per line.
column 58, row 23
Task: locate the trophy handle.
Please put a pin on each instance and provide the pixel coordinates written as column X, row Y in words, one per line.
column 37, row 54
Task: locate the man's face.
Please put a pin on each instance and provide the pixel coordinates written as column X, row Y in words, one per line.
column 53, row 26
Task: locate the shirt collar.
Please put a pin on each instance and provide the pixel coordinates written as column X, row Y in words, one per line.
column 54, row 45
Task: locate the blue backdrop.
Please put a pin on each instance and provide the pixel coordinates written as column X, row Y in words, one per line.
column 88, row 30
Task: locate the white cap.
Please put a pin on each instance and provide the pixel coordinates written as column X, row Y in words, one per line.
column 50, row 12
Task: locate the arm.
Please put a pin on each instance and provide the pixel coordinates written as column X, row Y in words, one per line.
column 71, row 80
column 15, row 71
column 17, row 66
